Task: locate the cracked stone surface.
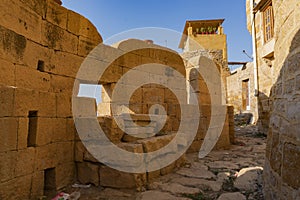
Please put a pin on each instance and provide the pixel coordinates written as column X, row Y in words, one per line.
column 228, row 174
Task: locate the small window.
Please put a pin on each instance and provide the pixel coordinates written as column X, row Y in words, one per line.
column 32, row 128
column 41, row 66
column 268, row 24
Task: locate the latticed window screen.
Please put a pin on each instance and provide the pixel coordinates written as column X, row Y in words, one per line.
column 268, row 23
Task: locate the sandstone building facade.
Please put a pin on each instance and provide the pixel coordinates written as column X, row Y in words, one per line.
column 276, row 31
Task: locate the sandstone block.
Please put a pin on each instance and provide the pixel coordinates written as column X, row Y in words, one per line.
column 104, row 109
column 64, row 152
column 129, row 60
column 180, row 161
column 21, row 19
column 155, row 143
column 84, row 107
column 8, row 190
column 47, row 104
column 13, row 47
column 37, row 186
column 39, row 7
column 32, row 79
column 88, row 173
column 115, row 135
column 86, row 45
column 57, row 38
column 63, row 63
column 7, row 165
column 63, row 105
column 153, row 95
column 116, row 179
column 65, row 175
column 7, row 76
column 169, row 169
column 8, row 134
column 170, row 97
column 290, row 165
column 151, row 176
column 6, row 101
column 61, row 84
column 71, row 130
column 81, row 26
column 59, row 130
column 79, row 151
column 30, row 100
column 46, row 157
column 35, row 53
column 22, row 132
column 25, row 162
column 57, row 14
column 195, row 146
column 134, row 148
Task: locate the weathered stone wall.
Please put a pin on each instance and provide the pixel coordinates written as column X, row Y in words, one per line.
column 139, row 107
column 281, row 173
column 235, row 90
column 200, row 89
column 140, row 102
column 265, row 70
column 42, row 46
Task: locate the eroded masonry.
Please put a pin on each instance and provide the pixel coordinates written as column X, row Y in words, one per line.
column 42, row 48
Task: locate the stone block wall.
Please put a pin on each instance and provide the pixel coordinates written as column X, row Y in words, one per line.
column 235, row 90
column 42, row 46
column 265, row 69
column 41, row 49
column 139, row 107
column 200, row 89
column 281, row 173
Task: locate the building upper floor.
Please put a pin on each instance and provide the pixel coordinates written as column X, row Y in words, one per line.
column 204, row 34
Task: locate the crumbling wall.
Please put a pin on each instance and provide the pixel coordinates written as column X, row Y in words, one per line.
column 139, row 107
column 140, row 102
column 281, row 173
column 200, row 89
column 42, row 46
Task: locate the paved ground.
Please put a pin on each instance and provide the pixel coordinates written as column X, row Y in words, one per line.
column 223, row 175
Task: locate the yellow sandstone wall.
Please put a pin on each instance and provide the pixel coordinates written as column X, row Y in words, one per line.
column 42, row 46
column 281, row 173
column 265, row 70
column 234, row 90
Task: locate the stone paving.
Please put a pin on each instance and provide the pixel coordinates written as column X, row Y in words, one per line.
column 222, row 175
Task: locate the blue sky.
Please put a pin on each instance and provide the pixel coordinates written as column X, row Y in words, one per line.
column 115, row 16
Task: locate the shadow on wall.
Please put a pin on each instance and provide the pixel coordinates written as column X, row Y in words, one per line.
column 264, row 109
column 283, row 143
